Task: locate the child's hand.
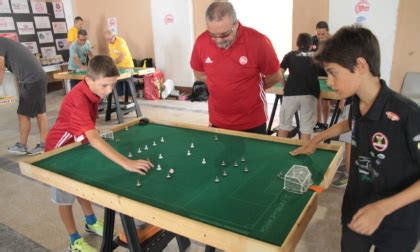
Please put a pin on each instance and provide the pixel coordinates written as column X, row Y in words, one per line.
column 367, row 219
column 138, row 166
column 307, row 149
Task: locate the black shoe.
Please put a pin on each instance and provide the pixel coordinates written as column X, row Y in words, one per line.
column 320, row 127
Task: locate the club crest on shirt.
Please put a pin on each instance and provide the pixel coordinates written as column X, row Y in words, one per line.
column 379, row 141
column 392, row 116
column 243, row 60
column 208, row 60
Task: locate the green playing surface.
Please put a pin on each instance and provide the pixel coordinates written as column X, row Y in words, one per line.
column 322, row 84
column 250, row 203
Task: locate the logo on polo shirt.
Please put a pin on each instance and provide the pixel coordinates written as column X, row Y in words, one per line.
column 243, row 60
column 392, row 116
column 379, row 141
column 208, row 60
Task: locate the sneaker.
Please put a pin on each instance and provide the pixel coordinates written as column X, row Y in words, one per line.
column 97, row 228
column 37, row 150
column 80, row 245
column 341, row 180
column 18, row 149
column 142, row 234
column 320, row 127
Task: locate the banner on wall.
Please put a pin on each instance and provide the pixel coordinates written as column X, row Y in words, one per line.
column 5, row 7
column 25, row 28
column 31, row 46
column 112, row 25
column 7, row 24
column 378, row 16
column 20, row 6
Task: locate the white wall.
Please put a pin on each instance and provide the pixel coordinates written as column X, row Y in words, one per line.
column 173, row 39
column 273, row 18
column 379, row 16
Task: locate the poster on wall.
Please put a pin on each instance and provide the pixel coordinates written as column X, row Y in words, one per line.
column 20, row 6
column 39, row 7
column 42, row 22
column 45, row 37
column 7, row 24
column 112, row 25
column 59, row 27
column 25, row 28
column 48, row 52
column 31, row 46
column 58, row 9
column 10, row 35
column 61, row 44
column 5, row 7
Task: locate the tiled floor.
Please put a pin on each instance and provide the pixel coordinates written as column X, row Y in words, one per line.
column 28, row 218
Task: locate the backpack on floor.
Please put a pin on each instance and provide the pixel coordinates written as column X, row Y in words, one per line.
column 153, row 84
column 199, row 92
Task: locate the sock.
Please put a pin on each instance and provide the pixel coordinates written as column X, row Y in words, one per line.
column 74, row 237
column 90, row 219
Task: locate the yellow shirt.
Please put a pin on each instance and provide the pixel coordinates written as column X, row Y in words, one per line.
column 72, row 35
column 120, row 46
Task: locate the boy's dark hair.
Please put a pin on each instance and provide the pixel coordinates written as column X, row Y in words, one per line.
column 304, row 41
column 322, row 25
column 350, row 43
column 78, row 19
column 102, row 66
column 82, row 32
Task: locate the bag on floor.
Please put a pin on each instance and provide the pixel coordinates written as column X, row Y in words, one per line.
column 199, row 92
column 153, row 85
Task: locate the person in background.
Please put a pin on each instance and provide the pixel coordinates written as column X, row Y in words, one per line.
column 301, row 90
column 120, row 53
column 79, row 52
column 237, row 63
column 72, row 33
column 323, row 107
column 32, row 83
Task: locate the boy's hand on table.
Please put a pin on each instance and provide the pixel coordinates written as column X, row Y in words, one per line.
column 367, row 219
column 138, row 166
column 307, row 149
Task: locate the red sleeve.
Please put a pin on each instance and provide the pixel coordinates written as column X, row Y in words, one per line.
column 268, row 63
column 196, row 62
column 80, row 118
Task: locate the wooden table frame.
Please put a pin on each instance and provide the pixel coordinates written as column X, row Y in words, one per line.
column 205, row 233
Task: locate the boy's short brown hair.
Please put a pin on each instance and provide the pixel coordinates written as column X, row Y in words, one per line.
column 350, row 43
column 102, row 66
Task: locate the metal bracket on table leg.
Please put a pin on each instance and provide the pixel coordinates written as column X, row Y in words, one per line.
column 183, row 243
column 107, row 240
column 133, row 95
column 131, row 233
column 273, row 114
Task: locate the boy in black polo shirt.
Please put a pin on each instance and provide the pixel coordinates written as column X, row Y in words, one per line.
column 381, row 204
column 301, row 90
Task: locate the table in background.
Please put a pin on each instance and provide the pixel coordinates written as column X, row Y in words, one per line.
column 326, row 93
column 245, row 211
column 125, row 75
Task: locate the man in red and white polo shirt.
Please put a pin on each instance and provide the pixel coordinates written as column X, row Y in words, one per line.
column 237, row 63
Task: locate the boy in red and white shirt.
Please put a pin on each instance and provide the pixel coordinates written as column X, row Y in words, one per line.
column 76, row 123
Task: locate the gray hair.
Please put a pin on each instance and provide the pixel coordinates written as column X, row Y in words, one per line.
column 218, row 10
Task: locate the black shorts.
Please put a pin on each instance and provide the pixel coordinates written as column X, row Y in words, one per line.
column 384, row 239
column 32, row 98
